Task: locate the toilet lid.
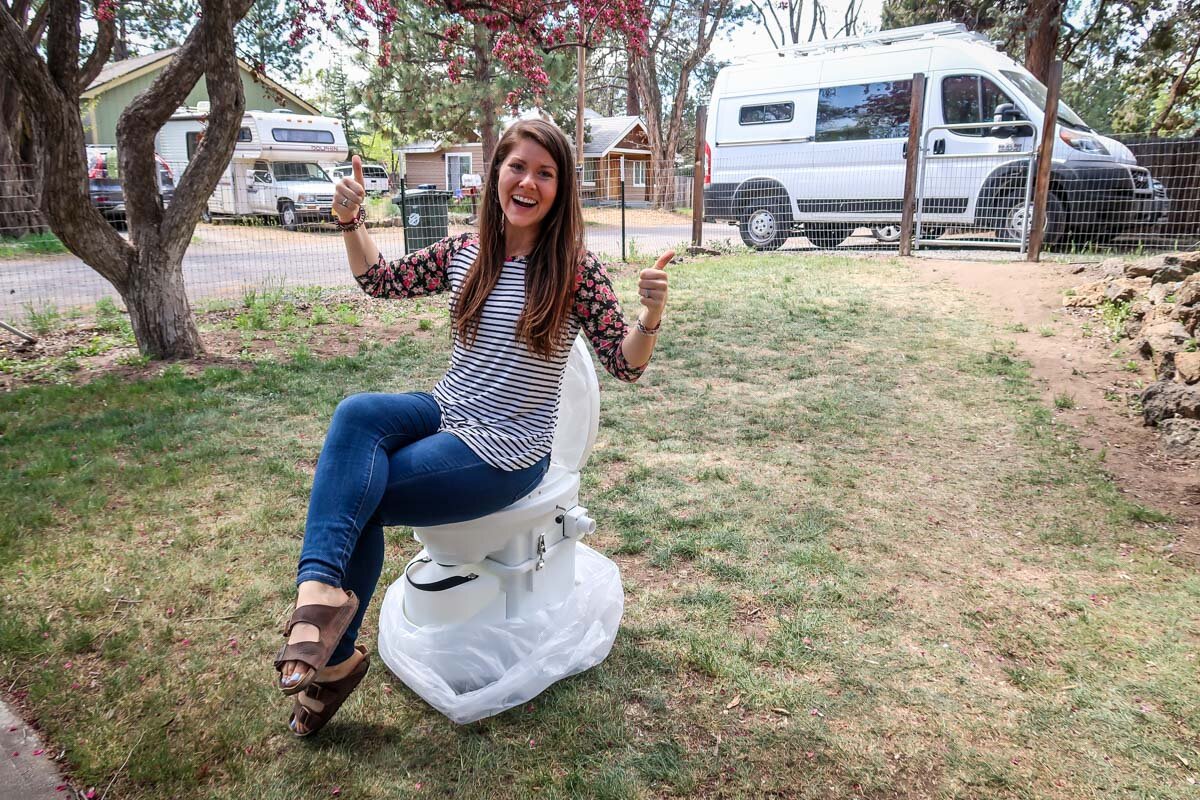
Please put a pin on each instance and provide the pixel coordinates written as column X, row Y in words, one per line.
column 578, row 411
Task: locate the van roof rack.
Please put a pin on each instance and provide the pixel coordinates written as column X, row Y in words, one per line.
column 947, row 30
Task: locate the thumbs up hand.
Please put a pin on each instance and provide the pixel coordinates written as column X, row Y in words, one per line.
column 652, row 288
column 349, row 194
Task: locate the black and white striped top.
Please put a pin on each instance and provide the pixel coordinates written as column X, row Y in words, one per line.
column 497, row 396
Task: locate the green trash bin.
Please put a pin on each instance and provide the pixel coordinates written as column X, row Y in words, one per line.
column 426, row 215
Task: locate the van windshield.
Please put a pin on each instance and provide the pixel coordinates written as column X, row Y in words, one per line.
column 1036, row 91
column 299, row 171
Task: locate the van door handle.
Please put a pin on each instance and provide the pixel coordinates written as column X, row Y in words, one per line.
column 904, row 151
column 939, row 147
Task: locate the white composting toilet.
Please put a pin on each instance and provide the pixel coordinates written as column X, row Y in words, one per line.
column 510, row 588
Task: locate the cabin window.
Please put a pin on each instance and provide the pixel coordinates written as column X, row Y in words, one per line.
column 639, row 173
column 766, row 113
column 863, row 111
column 970, row 98
column 590, row 168
column 307, row 135
column 457, row 165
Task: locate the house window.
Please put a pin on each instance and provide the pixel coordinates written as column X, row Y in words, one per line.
column 970, row 98
column 863, row 111
column 457, row 165
column 766, row 114
column 307, row 135
column 590, row 167
column 639, row 172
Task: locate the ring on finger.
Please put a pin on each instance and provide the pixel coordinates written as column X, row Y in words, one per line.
column 345, row 203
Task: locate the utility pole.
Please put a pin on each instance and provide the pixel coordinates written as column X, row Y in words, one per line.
column 581, row 68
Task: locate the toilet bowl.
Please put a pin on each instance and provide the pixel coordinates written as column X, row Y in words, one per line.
column 521, row 559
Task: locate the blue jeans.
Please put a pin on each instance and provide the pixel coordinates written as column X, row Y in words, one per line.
column 384, row 463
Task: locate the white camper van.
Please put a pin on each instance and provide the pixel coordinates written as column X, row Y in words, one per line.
column 280, row 165
column 812, row 139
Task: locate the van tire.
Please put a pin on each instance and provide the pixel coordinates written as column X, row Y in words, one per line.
column 287, row 216
column 765, row 224
column 1012, row 223
column 827, row 235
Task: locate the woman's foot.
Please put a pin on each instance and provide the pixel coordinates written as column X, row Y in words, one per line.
column 326, row 676
column 309, row 593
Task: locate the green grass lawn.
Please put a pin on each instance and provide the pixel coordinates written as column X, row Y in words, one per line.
column 860, row 558
column 38, row 244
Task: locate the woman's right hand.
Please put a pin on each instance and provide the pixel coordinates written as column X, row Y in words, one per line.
column 349, row 195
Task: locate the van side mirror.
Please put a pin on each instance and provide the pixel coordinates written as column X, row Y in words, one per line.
column 1008, row 112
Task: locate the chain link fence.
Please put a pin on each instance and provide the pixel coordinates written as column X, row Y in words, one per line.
column 972, row 194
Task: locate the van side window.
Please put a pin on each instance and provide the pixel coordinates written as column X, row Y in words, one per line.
column 970, row 98
column 766, row 114
column 863, row 111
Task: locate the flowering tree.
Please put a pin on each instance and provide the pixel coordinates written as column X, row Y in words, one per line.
column 147, row 269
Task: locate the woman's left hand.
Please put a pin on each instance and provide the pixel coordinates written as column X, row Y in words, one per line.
column 652, row 287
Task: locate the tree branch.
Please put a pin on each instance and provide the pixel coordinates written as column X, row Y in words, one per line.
column 1175, row 87
column 105, row 36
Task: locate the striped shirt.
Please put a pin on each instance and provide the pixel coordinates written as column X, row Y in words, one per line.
column 498, row 397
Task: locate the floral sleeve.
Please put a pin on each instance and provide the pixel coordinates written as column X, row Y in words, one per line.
column 601, row 318
column 413, row 275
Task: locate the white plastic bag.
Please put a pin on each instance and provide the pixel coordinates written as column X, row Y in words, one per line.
column 471, row 671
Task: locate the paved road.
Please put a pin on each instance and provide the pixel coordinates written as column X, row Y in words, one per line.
column 226, row 260
column 25, row 776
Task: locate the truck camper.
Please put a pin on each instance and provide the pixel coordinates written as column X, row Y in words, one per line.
column 812, row 140
column 280, row 167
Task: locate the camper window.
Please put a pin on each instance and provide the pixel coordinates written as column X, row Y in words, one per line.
column 302, row 135
column 766, row 114
column 244, row 135
column 863, row 111
column 261, row 172
column 299, row 171
column 970, row 98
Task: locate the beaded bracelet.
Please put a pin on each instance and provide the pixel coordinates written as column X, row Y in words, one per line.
column 642, row 329
column 359, row 220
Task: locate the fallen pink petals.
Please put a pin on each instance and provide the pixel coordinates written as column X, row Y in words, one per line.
column 90, row 794
column 38, row 752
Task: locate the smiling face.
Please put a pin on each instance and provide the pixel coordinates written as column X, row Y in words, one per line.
column 528, row 184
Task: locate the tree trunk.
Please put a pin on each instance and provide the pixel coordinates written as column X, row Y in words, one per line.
column 159, row 310
column 1042, row 21
column 488, row 135
column 633, row 105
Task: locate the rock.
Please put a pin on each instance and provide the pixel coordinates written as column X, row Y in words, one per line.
column 1189, row 318
column 1177, row 267
column 1187, row 367
column 1165, row 314
column 1160, row 343
column 1139, row 310
column 1119, row 291
column 1112, row 267
column 1160, row 291
column 1188, row 293
column 1088, row 295
column 1144, row 268
column 1078, row 268
column 1166, row 399
column 1180, row 437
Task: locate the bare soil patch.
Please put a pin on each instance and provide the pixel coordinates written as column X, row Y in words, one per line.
column 1026, row 301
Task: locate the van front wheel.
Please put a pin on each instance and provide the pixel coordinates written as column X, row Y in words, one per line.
column 287, row 216
column 1014, row 221
column 765, row 227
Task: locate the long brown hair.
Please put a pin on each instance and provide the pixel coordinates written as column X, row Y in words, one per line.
column 552, row 266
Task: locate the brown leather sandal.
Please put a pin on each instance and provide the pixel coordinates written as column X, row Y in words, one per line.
column 331, row 622
column 322, row 699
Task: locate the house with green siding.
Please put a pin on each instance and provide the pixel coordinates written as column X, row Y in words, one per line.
column 121, row 81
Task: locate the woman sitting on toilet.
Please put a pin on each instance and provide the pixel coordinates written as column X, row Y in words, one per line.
column 520, row 290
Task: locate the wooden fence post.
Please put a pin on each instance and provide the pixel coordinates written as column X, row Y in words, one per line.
column 916, row 128
column 1041, row 188
column 698, row 178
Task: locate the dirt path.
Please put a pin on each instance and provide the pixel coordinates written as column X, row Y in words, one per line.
column 1071, row 363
